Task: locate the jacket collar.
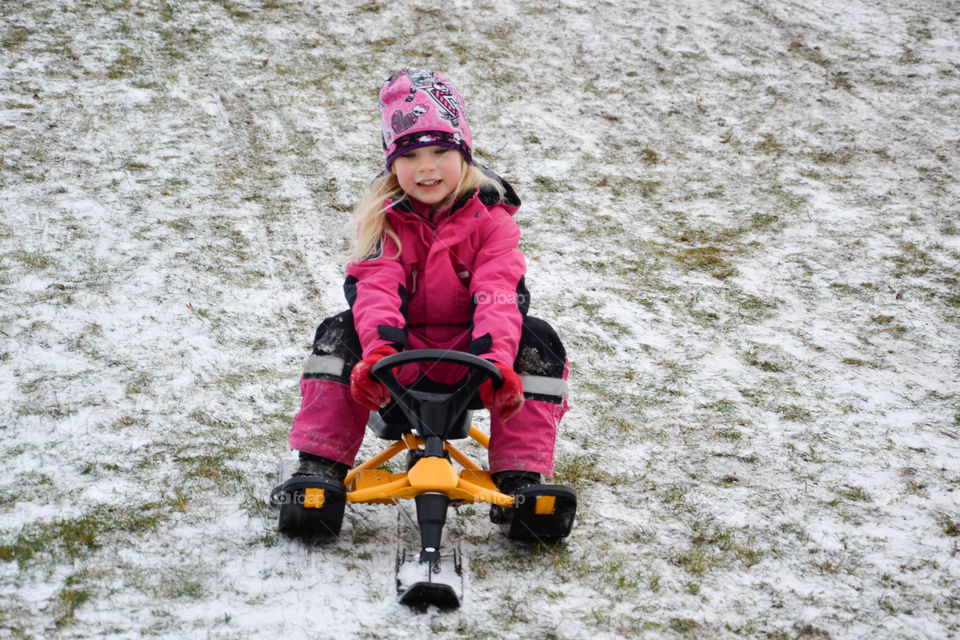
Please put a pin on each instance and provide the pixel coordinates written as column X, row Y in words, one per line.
column 405, row 206
column 490, row 197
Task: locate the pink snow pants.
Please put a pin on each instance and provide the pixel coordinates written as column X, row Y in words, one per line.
column 332, row 424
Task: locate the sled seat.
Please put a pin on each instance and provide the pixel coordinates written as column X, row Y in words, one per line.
column 390, row 424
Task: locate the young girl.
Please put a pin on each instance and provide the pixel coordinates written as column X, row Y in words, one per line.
column 435, row 265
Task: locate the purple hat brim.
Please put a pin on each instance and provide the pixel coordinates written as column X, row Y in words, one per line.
column 420, row 139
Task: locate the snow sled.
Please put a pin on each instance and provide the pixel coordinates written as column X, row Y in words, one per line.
column 422, row 424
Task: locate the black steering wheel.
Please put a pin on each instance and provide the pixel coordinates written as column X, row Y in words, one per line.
column 430, row 413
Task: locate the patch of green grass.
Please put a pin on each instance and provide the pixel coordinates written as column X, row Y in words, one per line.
column 615, row 574
column 717, row 191
column 784, row 199
column 183, row 225
column 769, row 145
column 856, row 494
column 577, row 471
column 755, row 359
column 909, row 56
column 813, row 54
column 649, row 156
column 857, row 362
column 695, row 561
column 127, row 63
column 675, row 494
column 72, row 538
column 125, row 422
column 513, row 610
column 14, row 36
column 627, row 185
column 950, row 525
column 863, row 291
column 722, row 406
column 795, row 530
column 646, row 188
column 684, row 626
column 67, row 601
column 52, row 408
column 732, row 435
column 916, row 487
column 132, row 165
column 754, row 308
column 912, row 261
column 709, row 259
column 794, row 413
column 809, row 631
column 234, row 11
column 716, row 548
column 822, row 157
column 750, row 458
column 141, row 383
column 34, row 260
column 551, row 185
column 763, row 221
column 181, row 584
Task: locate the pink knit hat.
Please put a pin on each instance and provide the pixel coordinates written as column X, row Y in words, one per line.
column 419, row 109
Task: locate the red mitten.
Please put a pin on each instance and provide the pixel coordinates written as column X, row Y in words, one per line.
column 508, row 398
column 364, row 389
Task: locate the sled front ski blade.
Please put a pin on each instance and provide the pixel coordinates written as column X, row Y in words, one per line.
column 542, row 513
column 437, row 583
column 310, row 507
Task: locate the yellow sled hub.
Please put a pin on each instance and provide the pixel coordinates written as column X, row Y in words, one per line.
column 367, row 483
column 433, row 474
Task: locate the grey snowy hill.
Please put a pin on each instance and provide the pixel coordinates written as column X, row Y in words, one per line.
column 741, row 217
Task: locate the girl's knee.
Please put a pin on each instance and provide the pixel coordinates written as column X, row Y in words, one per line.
column 542, row 362
column 336, row 349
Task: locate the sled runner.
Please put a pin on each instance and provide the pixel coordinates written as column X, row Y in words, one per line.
column 428, row 421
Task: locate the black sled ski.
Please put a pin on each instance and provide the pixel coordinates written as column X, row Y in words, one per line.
column 428, row 577
column 433, row 581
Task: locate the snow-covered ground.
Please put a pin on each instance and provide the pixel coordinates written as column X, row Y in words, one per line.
column 742, row 217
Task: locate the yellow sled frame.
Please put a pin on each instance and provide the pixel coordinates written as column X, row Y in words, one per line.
column 538, row 513
column 368, row 483
column 432, row 474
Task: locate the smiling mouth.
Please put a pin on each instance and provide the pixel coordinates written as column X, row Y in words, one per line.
column 429, row 183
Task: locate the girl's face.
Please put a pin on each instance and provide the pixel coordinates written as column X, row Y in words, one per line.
column 428, row 174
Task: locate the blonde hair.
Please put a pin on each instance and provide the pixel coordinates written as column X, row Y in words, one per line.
column 370, row 219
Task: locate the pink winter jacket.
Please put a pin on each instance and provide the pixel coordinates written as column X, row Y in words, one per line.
column 458, row 283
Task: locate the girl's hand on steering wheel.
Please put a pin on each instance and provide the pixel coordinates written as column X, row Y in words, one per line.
column 508, row 398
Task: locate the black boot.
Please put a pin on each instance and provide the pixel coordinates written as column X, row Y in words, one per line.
column 318, row 466
column 312, row 500
column 312, row 466
column 510, row 483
